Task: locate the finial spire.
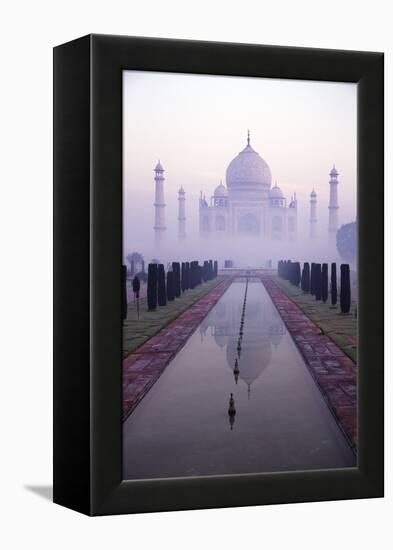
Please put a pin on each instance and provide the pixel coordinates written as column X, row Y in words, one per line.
column 248, row 137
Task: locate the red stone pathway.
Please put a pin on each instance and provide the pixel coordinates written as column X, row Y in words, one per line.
column 334, row 372
column 143, row 367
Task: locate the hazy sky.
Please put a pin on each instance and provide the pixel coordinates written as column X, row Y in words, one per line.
column 197, row 124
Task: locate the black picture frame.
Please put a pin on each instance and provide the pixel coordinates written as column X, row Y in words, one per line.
column 87, row 273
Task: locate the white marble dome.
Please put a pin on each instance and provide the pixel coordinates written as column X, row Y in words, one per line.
column 248, row 169
column 220, row 191
column 276, row 193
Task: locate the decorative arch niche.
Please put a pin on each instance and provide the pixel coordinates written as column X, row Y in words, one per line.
column 249, row 224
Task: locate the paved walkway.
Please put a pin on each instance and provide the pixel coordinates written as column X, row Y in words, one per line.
column 138, row 329
column 342, row 329
column 142, row 368
column 334, row 372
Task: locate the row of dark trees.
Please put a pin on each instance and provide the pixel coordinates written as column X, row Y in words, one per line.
column 187, row 275
column 315, row 280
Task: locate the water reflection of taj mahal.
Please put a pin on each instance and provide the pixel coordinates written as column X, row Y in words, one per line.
column 264, row 330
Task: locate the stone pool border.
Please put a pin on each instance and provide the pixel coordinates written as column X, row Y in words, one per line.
column 333, row 371
column 142, row 368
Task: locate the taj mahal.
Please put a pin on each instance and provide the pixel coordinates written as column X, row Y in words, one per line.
column 248, row 205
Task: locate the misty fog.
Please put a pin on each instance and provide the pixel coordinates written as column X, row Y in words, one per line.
column 197, row 124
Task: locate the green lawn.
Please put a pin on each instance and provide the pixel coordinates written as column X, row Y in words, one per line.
column 342, row 329
column 137, row 331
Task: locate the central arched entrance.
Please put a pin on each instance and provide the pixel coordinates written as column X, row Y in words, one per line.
column 249, row 224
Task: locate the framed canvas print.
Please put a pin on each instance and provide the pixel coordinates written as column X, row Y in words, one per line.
column 218, row 275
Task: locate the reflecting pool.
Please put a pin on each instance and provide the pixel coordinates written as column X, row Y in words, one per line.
column 281, row 421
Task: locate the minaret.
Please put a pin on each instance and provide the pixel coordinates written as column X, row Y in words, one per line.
column 293, row 201
column 333, row 205
column 292, row 219
column 159, row 204
column 313, row 214
column 182, row 213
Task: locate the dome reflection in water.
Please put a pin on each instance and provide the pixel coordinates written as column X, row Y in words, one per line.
column 182, row 427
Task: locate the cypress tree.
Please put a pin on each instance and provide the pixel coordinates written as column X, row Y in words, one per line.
column 345, row 289
column 176, row 276
column 124, row 292
column 161, row 288
column 187, row 273
column 294, row 273
column 152, row 287
column 312, row 279
column 170, row 286
column 325, row 283
column 199, row 273
column 297, row 274
column 302, row 279
column 215, row 268
column 205, row 270
column 318, row 281
column 333, row 284
column 196, row 273
column 192, row 275
column 211, row 270
column 306, row 277
column 178, row 280
column 183, row 276
column 136, row 285
column 283, row 267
